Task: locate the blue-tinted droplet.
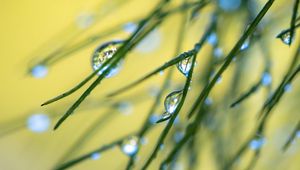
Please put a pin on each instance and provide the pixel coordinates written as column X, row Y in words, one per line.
column 39, row 71
column 266, row 79
column 38, row 122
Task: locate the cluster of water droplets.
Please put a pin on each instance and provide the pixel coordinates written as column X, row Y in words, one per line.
column 130, row 145
column 102, row 54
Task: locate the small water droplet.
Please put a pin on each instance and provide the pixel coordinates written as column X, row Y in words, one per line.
column 150, row 43
column 178, row 136
column 130, row 145
column 229, row 5
column 218, row 52
column 85, row 20
column 95, row 156
column 144, row 141
column 102, row 54
column 185, row 65
column 212, row 39
column 246, row 44
column 172, row 100
column 219, row 80
column 38, row 122
column 130, row 27
column 288, row 87
column 161, row 73
column 39, row 71
column 125, row 107
column 285, row 37
column 208, row 101
column 161, row 146
column 154, row 118
column 298, row 134
column 257, row 142
column 266, row 79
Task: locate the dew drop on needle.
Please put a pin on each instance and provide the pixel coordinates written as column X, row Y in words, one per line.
column 102, row 54
column 130, row 145
column 185, row 65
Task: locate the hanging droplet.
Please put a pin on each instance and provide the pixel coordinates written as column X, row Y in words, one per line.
column 161, row 73
column 266, row 79
column 130, row 145
column 257, row 142
column 285, row 37
column 219, row 80
column 39, row 71
column 172, row 101
column 95, row 156
column 298, row 134
column 38, row 122
column 161, row 146
column 102, row 54
column 185, row 65
column 208, row 101
column 246, row 44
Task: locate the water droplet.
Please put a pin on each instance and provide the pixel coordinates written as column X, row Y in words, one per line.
column 38, row 122
column 130, row 27
column 154, row 118
column 246, row 44
column 39, row 71
column 178, row 136
column 125, row 107
column 288, row 88
column 218, row 52
column 219, row 80
column 285, row 37
column 85, row 20
column 229, row 5
column 161, row 146
column 208, row 101
column 150, row 43
column 144, row 141
column 185, row 65
column 161, row 73
column 257, row 142
column 130, row 145
column 95, row 156
column 266, row 79
column 172, row 100
column 102, row 54
column 298, row 134
column 212, row 39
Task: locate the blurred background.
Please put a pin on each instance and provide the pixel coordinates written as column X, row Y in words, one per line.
column 31, row 29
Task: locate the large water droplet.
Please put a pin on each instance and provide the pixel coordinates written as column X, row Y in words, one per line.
column 285, row 37
column 257, row 142
column 130, row 145
column 185, row 65
column 102, row 54
column 172, row 101
column 39, row 71
column 38, row 122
